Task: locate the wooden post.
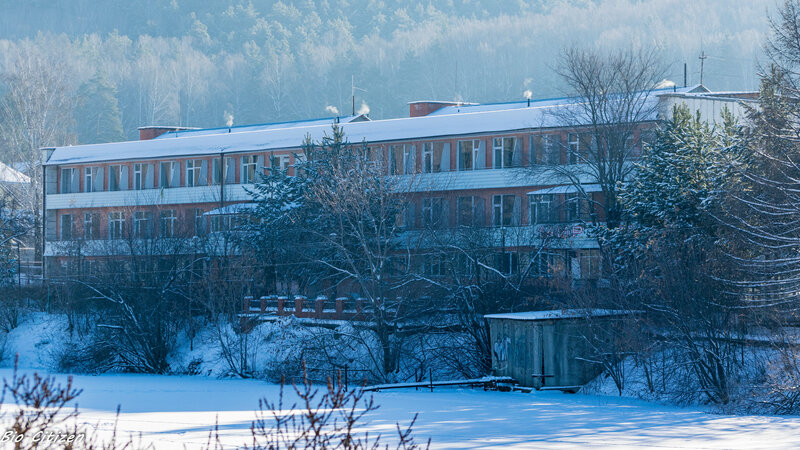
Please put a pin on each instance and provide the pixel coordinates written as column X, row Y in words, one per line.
column 430, row 377
column 345, row 377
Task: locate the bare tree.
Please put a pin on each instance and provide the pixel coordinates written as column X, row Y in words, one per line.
column 612, row 96
column 35, row 112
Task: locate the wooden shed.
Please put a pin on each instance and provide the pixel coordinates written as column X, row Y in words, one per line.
column 546, row 349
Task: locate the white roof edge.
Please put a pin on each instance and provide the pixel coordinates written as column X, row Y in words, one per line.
column 568, row 189
column 560, row 314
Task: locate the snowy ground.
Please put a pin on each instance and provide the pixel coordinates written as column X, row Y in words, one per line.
column 178, row 411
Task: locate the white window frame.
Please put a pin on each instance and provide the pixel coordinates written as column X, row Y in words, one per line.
column 193, row 172
column 167, row 219
column 476, row 147
column 139, row 176
column 498, row 149
column 140, row 219
column 498, row 216
column 89, row 225
column 199, row 222
column 249, row 169
column 537, row 201
column 88, row 179
column 116, row 224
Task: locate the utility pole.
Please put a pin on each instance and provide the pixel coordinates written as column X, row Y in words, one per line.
column 702, row 58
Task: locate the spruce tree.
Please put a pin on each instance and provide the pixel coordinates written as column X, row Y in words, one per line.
column 97, row 113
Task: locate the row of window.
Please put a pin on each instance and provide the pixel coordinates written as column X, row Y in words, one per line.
column 470, row 154
column 537, row 263
column 506, row 211
column 169, row 174
column 142, row 224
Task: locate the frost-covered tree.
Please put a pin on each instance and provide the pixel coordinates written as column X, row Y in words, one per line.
column 670, row 258
column 334, row 228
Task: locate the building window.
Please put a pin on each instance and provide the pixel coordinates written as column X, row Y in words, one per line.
column 69, row 180
column 91, row 226
column 469, row 154
column 470, row 211
column 590, row 266
column 168, row 220
column 542, row 209
column 142, row 224
column 573, row 205
column 503, row 152
column 573, row 147
column 280, row 162
column 66, row 227
column 543, row 264
column 400, row 159
column 199, row 222
column 92, row 179
column 169, row 174
column 229, row 174
column 143, row 176
column 117, row 178
column 432, row 265
column 116, row 224
column 195, row 173
column 220, row 223
column 503, row 210
column 552, row 149
column 432, row 212
column 249, row 167
column 435, row 157
column 405, row 217
column 507, row 263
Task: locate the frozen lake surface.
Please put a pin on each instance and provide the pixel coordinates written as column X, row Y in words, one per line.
column 178, row 411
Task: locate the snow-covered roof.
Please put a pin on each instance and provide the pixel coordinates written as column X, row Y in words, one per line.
column 559, row 314
column 483, row 107
column 9, row 175
column 568, row 189
column 262, row 127
column 542, row 115
column 288, row 138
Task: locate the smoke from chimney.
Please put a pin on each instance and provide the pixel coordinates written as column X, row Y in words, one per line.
column 228, row 119
column 364, row 109
column 332, row 109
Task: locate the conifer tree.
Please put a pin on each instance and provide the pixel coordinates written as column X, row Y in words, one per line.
column 97, row 113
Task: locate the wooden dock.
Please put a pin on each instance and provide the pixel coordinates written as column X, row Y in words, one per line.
column 485, row 382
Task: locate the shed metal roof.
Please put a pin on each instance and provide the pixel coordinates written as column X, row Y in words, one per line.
column 559, row 314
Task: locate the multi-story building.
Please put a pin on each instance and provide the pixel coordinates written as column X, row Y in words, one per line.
column 492, row 166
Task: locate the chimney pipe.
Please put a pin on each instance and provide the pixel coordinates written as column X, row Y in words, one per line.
column 684, row 75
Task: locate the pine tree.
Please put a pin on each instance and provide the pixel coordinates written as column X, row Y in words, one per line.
column 97, row 113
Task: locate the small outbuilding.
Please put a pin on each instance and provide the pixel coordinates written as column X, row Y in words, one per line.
column 547, row 349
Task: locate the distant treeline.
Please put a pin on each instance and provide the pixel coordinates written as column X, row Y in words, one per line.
column 194, row 63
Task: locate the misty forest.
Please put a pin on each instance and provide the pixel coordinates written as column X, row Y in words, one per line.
column 194, row 63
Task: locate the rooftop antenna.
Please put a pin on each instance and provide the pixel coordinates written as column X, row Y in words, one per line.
column 353, row 90
column 702, row 58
